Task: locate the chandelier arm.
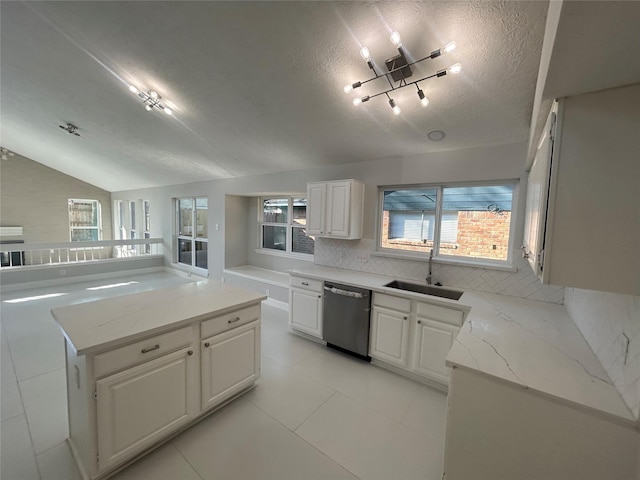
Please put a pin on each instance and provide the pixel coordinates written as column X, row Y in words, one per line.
column 415, row 82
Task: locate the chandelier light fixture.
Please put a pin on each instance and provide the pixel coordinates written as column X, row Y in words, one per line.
column 70, row 128
column 151, row 100
column 398, row 71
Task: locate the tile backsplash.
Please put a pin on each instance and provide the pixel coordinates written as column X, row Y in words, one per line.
column 357, row 255
column 610, row 323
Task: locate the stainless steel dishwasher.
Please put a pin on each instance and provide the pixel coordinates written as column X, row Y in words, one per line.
column 346, row 318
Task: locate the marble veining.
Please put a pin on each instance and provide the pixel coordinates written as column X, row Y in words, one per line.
column 537, row 346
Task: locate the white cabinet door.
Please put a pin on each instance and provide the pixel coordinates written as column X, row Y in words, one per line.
column 230, row 363
column 537, row 196
column 316, row 194
column 141, row 405
column 338, row 209
column 433, row 341
column 306, row 311
column 389, row 336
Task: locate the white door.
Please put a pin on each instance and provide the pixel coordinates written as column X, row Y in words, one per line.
column 389, row 336
column 338, row 208
column 230, row 363
column 141, row 405
column 306, row 311
column 433, row 342
column 537, row 196
column 316, row 208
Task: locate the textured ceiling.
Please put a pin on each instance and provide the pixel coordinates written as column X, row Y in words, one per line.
column 256, row 86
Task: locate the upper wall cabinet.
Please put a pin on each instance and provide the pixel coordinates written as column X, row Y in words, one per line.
column 334, row 209
column 582, row 221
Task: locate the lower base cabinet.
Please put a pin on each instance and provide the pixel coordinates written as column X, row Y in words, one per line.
column 433, row 342
column 130, row 417
column 413, row 336
column 230, row 363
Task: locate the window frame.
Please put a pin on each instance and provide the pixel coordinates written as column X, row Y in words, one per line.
column 98, row 227
column 450, row 259
column 193, row 238
column 289, row 226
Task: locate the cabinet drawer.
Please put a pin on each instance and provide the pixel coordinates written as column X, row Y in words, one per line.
column 229, row 321
column 454, row 317
column 141, row 351
column 306, row 284
column 389, row 301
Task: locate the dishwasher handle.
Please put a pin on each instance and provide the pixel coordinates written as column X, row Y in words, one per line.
column 345, row 293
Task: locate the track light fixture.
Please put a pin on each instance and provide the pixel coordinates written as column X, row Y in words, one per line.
column 399, row 70
column 151, row 100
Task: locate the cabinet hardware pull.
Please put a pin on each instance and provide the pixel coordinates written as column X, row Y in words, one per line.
column 147, row 350
column 305, row 284
column 234, row 320
column 207, row 345
column 419, row 322
column 190, row 352
column 404, row 318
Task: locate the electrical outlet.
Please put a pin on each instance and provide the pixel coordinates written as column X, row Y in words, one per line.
column 222, row 279
column 362, row 258
column 63, row 272
column 343, row 255
column 267, row 292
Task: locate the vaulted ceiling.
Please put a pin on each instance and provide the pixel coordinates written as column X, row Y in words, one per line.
column 255, row 87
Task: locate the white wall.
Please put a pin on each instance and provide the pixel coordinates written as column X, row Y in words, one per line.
column 477, row 164
column 604, row 319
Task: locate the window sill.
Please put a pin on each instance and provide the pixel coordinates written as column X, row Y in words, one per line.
column 279, row 253
column 503, row 266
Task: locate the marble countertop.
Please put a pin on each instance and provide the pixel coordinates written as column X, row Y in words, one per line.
column 532, row 344
column 97, row 326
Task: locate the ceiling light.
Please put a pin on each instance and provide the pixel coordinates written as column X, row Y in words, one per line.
column 455, row 69
column 423, row 99
column 358, row 100
column 399, row 70
column 394, row 107
column 5, row 154
column 436, row 135
column 70, row 128
column 151, row 100
column 395, row 39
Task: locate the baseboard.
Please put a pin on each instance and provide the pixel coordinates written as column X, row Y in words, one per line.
column 271, row 302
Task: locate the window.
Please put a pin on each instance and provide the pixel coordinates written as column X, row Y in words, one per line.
column 192, row 228
column 85, row 221
column 146, row 206
column 283, row 223
column 468, row 221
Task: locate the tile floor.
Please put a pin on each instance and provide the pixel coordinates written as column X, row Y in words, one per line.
column 316, row 413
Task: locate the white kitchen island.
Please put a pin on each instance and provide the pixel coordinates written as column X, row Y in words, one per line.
column 142, row 367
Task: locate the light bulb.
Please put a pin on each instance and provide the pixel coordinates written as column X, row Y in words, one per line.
column 153, row 94
column 455, row 69
column 364, row 53
column 148, row 107
column 449, row 47
column 395, row 39
column 423, row 99
column 394, row 107
column 133, row 89
column 347, row 88
column 357, row 101
column 168, row 111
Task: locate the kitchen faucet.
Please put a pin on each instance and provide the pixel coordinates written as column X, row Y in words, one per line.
column 430, row 276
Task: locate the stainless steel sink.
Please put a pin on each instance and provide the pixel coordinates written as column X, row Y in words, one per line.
column 426, row 289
